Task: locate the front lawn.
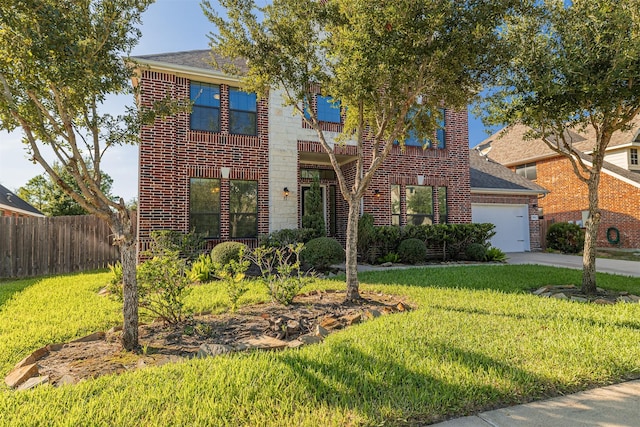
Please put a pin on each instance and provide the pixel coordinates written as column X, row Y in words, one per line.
column 478, row 340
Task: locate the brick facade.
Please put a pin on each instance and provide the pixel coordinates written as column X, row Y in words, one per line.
column 171, row 154
column 619, row 201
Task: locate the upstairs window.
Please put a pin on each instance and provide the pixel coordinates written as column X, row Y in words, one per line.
column 205, row 113
column 328, row 109
column 242, row 112
column 527, row 170
column 413, row 141
column 633, row 157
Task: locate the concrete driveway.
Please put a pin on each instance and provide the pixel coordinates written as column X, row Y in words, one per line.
column 603, row 265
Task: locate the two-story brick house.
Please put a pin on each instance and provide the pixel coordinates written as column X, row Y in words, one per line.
column 237, row 167
column 619, row 190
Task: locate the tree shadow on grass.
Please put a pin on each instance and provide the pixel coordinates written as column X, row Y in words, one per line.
column 387, row 390
column 10, row 288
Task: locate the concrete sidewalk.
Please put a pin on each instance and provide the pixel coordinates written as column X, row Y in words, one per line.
column 613, row 406
column 603, row 265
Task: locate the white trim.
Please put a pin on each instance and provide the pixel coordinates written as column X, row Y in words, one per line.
column 505, row 191
column 188, row 72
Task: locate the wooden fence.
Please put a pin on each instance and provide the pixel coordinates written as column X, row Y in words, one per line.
column 42, row 246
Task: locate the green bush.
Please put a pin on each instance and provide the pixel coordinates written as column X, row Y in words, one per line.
column 390, row 257
column 412, row 251
column 163, row 285
column 495, row 255
column 565, row 237
column 321, row 252
column 476, row 252
column 188, row 245
column 202, row 269
column 232, row 274
column 280, row 269
column 314, row 216
column 287, row 236
column 367, row 249
column 225, row 252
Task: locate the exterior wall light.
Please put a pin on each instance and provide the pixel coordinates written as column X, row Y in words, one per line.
column 285, row 192
column 376, row 193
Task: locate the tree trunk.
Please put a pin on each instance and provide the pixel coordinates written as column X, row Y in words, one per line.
column 128, row 256
column 352, row 251
column 590, row 238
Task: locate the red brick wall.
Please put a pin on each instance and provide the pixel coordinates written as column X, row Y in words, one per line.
column 619, row 201
column 532, row 201
column 171, row 154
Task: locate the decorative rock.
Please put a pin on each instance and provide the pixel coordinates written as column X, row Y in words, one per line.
column 207, row 350
column 387, row 310
column 541, row 291
column 635, row 298
column 295, row 344
column 310, row 339
column 104, row 292
column 386, row 264
column 545, row 294
column 33, row 382
column 67, row 380
column 603, row 301
column 265, row 342
column 55, row 347
column 114, row 329
column 293, row 325
column 20, row 375
column 96, row 336
column 330, row 322
column 559, row 295
column 401, row 307
column 321, row 332
column 372, row 314
column 624, row 298
column 33, row 357
column 352, row 319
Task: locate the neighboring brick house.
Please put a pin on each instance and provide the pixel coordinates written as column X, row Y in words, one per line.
column 507, row 200
column 237, row 167
column 12, row 205
column 568, row 198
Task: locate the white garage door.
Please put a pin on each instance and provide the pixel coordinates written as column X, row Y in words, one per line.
column 512, row 225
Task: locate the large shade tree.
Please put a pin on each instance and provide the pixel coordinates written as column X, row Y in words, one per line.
column 575, row 67
column 42, row 192
column 391, row 65
column 59, row 60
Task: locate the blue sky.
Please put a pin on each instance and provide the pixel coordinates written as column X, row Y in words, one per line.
column 168, row 26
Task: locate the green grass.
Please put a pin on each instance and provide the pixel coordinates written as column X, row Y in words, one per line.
column 477, row 340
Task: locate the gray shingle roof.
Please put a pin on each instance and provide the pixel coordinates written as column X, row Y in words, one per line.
column 10, row 201
column 488, row 174
column 200, row 59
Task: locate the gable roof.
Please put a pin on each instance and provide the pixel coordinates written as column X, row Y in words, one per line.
column 488, row 176
column 509, row 147
column 189, row 62
column 9, row 201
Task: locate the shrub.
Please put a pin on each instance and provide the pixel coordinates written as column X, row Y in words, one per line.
column 232, row 274
column 225, row 252
column 286, row 237
column 565, row 237
column 321, row 252
column 495, row 255
column 412, row 251
column 475, row 252
column 280, row 268
column 202, row 269
column 367, row 249
column 163, row 285
column 314, row 216
column 390, row 257
column 188, row 245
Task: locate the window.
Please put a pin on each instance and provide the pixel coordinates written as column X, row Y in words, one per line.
column 328, row 110
column 321, row 174
column 205, row 113
column 395, row 205
column 204, row 206
column 528, row 170
column 419, row 205
column 413, row 141
column 443, row 208
column 243, row 209
column 242, row 112
column 633, row 157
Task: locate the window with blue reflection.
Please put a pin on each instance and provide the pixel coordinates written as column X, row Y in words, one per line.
column 205, row 113
column 328, row 110
column 242, row 112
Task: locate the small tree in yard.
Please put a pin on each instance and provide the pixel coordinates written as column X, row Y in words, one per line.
column 58, row 62
column 390, row 66
column 575, row 67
